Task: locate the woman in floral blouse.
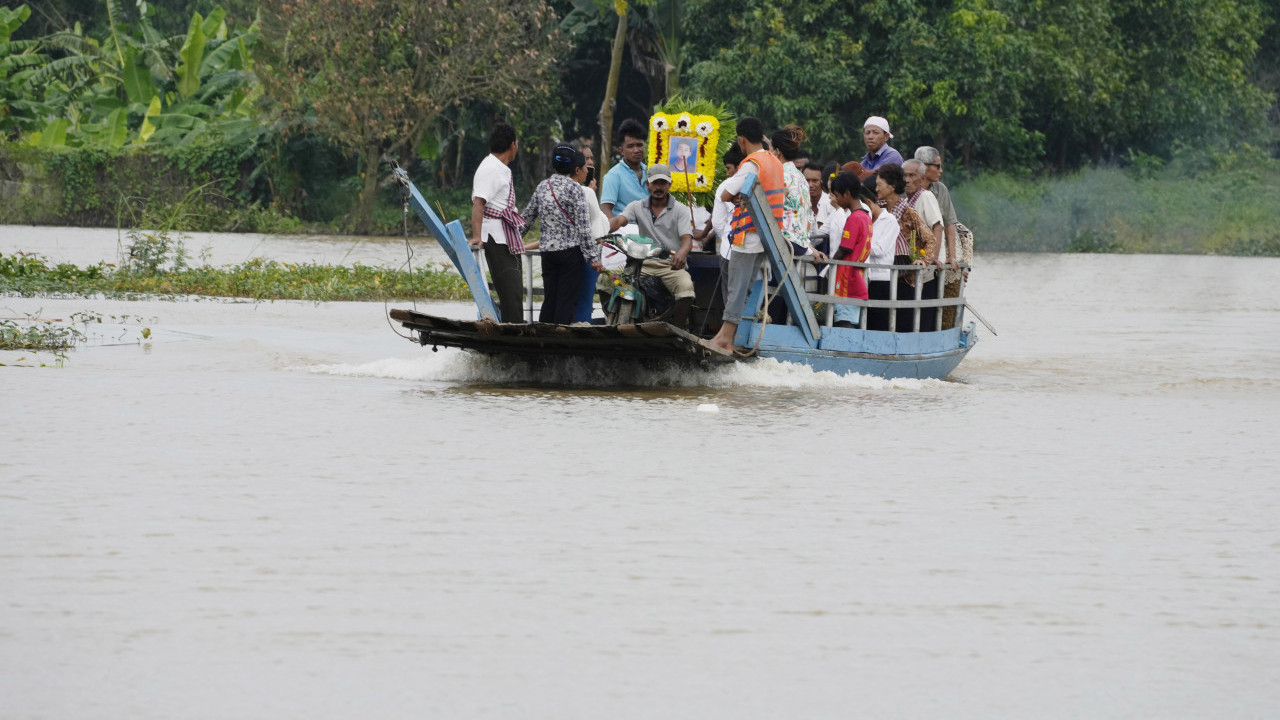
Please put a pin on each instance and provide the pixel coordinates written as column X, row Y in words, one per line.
column 797, row 213
column 567, row 245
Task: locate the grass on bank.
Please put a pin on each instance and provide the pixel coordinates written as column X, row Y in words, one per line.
column 1203, row 203
column 30, row 275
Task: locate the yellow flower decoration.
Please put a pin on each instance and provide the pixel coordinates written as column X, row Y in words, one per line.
column 687, row 144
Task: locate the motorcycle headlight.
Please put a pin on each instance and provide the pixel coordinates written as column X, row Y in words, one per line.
column 637, row 250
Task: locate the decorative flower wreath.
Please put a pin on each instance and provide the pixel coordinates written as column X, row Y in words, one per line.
column 688, row 144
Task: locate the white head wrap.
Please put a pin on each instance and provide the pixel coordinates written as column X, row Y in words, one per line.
column 877, row 121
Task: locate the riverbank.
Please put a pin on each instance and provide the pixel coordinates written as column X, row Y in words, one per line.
column 1225, row 208
column 1208, row 205
column 41, row 261
column 257, row 279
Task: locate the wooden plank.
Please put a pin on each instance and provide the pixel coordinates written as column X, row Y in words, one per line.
column 649, row 341
column 454, row 243
column 790, row 284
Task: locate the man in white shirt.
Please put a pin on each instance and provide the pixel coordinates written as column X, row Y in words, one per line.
column 925, row 203
column 932, row 160
column 820, row 204
column 496, row 222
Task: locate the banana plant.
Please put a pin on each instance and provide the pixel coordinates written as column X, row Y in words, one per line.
column 19, row 60
column 135, row 85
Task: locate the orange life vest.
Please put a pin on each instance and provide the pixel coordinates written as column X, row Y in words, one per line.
column 769, row 176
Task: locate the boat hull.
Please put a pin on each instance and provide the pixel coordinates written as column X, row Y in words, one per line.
column 847, row 351
column 842, row 351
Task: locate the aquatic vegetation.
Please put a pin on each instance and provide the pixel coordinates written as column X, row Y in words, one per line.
column 30, row 275
column 149, row 251
column 34, row 333
column 57, row 335
column 38, row 334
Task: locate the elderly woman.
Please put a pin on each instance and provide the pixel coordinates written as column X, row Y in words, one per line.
column 956, row 249
column 915, row 243
column 567, row 244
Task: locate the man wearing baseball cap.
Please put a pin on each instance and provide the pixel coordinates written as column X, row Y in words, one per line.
column 876, row 136
column 670, row 222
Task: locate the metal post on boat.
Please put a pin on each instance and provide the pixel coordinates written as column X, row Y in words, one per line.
column 919, row 295
column 829, row 314
column 893, row 300
column 862, row 316
column 528, row 287
column 942, row 289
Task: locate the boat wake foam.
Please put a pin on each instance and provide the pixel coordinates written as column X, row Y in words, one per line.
column 470, row 368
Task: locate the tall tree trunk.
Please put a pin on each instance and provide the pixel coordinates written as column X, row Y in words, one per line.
column 362, row 215
column 673, row 50
column 457, row 159
column 611, row 89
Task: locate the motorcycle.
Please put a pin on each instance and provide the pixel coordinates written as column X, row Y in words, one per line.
column 632, row 297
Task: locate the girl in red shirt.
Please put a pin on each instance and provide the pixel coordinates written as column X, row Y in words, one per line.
column 848, row 193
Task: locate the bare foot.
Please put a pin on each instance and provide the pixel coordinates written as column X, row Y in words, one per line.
column 723, row 341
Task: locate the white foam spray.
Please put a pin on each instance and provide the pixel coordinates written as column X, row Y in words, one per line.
column 451, row 366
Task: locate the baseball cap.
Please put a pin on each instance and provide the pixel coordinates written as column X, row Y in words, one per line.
column 659, row 172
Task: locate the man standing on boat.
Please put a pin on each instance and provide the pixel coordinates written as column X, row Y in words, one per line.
column 625, row 182
column 670, row 222
column 496, row 221
column 932, row 161
column 876, row 136
column 747, row 252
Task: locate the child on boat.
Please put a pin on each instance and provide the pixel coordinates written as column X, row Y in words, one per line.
column 848, row 193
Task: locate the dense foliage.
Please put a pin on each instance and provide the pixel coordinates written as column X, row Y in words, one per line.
column 290, row 110
column 1006, row 85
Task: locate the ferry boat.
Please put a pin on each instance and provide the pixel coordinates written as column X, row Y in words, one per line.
column 914, row 352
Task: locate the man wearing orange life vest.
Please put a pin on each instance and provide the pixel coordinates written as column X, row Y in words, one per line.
column 747, row 254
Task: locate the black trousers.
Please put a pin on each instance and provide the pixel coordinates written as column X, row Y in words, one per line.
column 929, row 316
column 505, row 270
column 878, row 318
column 561, row 280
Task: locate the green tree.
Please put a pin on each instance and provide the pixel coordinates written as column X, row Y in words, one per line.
column 786, row 61
column 374, row 77
column 1114, row 75
column 999, row 83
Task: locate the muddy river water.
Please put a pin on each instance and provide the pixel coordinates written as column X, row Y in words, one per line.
column 284, row 510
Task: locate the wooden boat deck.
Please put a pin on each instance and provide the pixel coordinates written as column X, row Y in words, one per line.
column 653, row 341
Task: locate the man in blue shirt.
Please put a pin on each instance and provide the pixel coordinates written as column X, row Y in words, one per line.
column 876, row 135
column 626, row 182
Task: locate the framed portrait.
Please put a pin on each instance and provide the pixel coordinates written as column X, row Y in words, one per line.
column 687, row 144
